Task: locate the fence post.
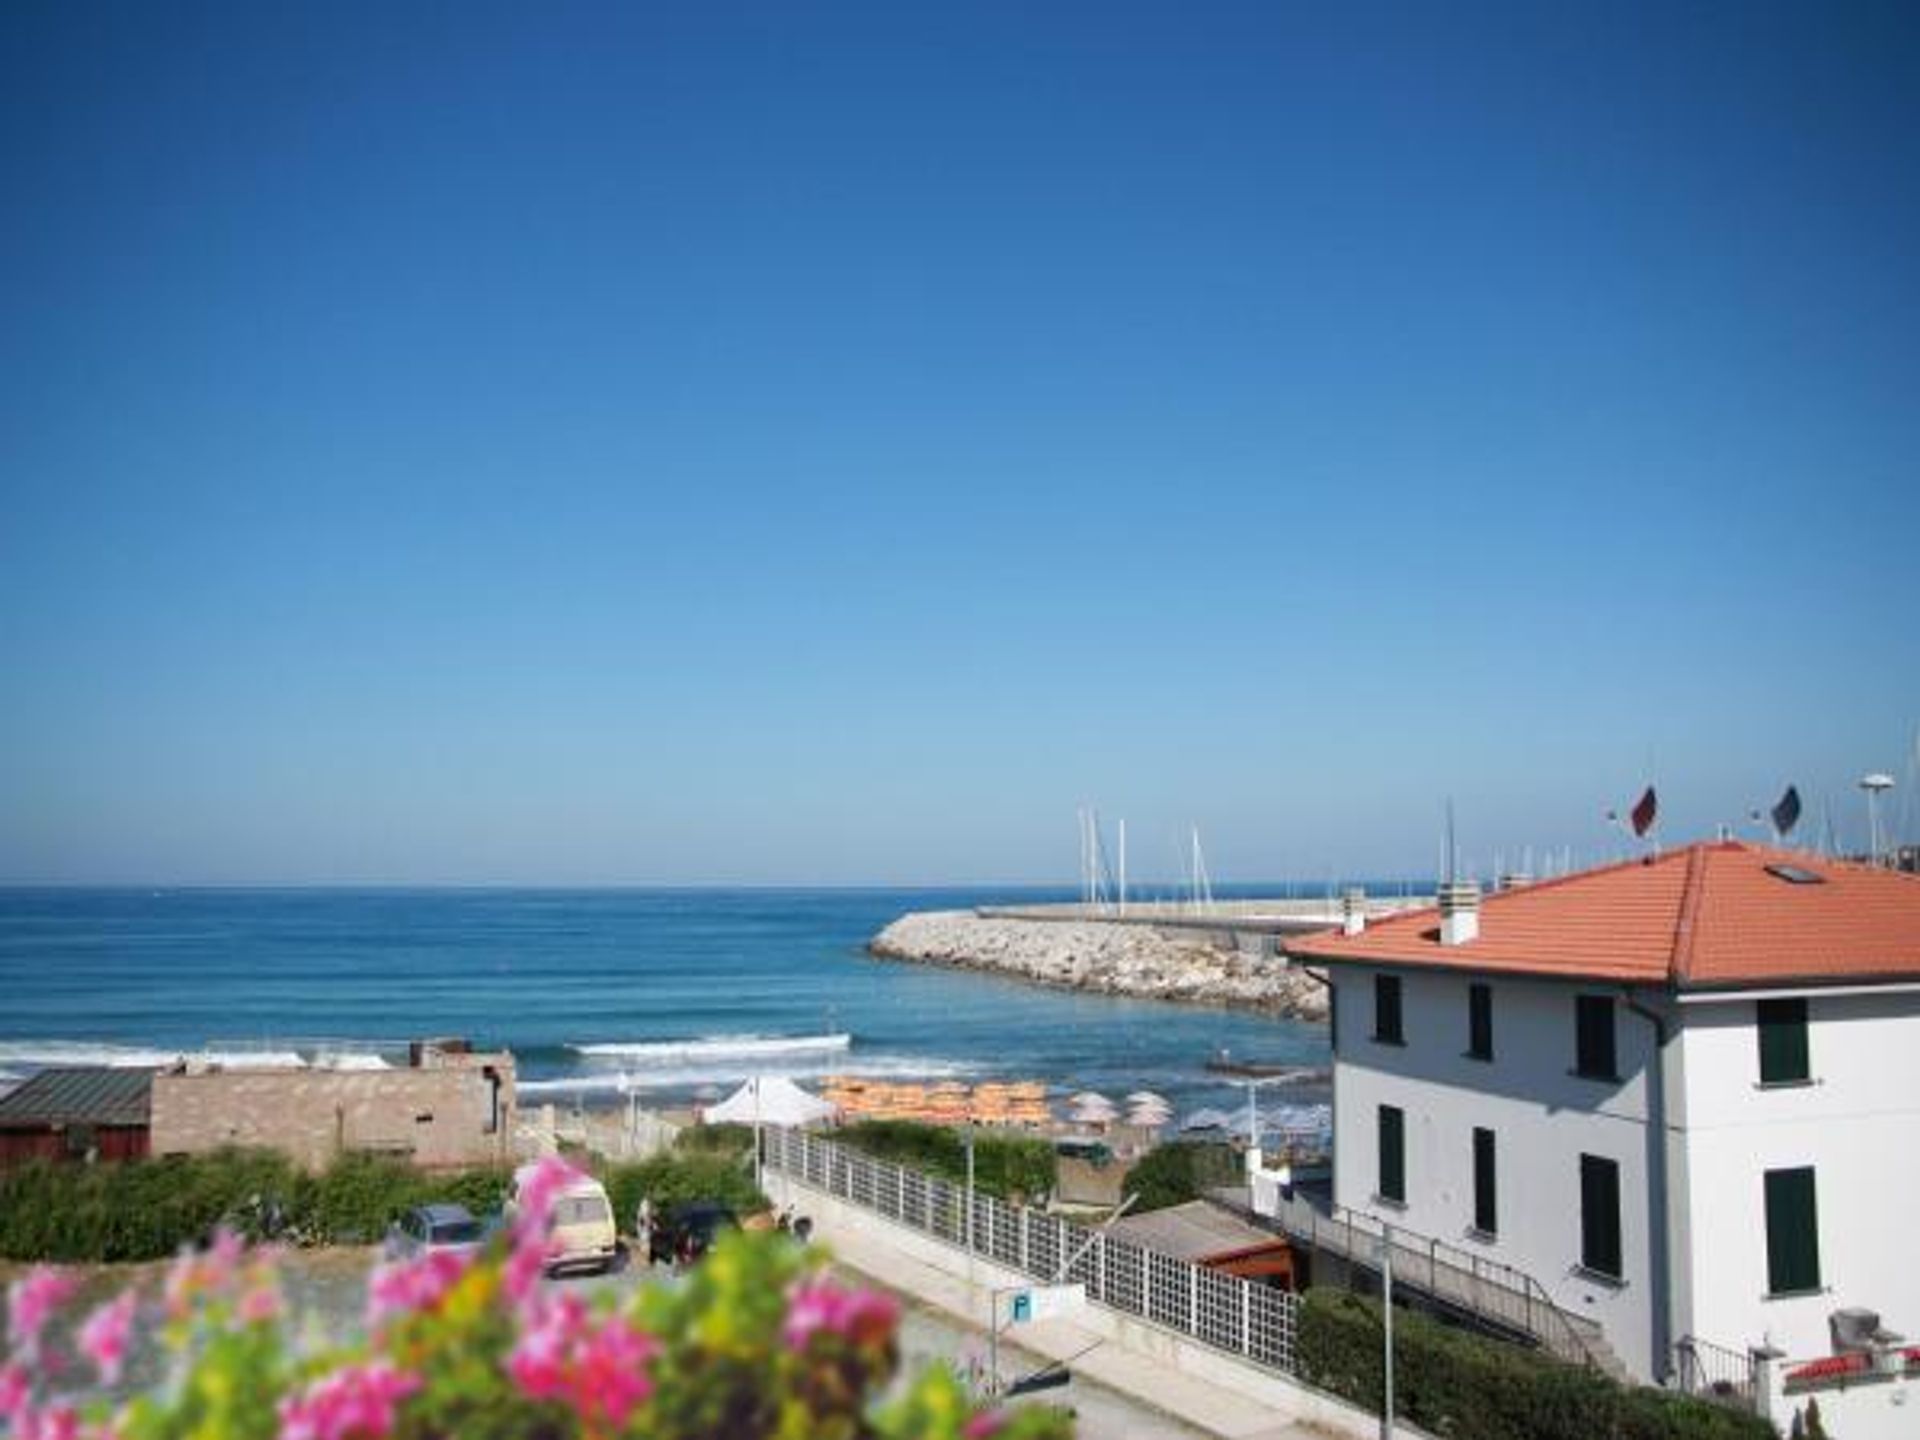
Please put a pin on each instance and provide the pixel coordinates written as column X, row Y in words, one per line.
column 1024, row 1226
column 1246, row 1317
column 1193, row 1301
column 1100, row 1264
column 900, row 1191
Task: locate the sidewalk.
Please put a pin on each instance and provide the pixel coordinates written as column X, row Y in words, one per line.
column 1205, row 1407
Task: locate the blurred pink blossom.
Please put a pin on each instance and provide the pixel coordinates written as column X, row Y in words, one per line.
column 538, row 1192
column 407, row 1287
column 861, row 1316
column 193, row 1275
column 30, row 1300
column 56, row 1422
column 596, row 1367
column 359, row 1400
column 14, row 1389
column 104, row 1336
column 261, row 1305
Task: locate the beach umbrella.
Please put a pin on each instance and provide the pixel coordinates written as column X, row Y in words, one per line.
column 1155, row 1113
column 1089, row 1097
column 1207, row 1118
column 1146, row 1097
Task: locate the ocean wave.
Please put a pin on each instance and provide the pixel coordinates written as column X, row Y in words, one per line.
column 30, row 1055
column 713, row 1047
column 877, row 1067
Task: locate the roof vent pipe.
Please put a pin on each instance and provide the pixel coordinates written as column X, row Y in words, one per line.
column 1459, row 912
column 1353, row 911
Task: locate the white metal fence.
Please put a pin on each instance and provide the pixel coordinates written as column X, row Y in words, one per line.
column 1239, row 1317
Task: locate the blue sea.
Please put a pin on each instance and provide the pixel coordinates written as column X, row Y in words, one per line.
column 599, row 993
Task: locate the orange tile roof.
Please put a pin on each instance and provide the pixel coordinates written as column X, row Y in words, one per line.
column 1698, row 918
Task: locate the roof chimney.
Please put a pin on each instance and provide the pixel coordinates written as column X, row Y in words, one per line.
column 1459, row 912
column 1353, row 911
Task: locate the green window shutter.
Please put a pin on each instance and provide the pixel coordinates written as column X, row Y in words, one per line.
column 1486, row 1205
column 1386, row 1010
column 1783, row 1041
column 1393, row 1153
column 1600, row 1215
column 1593, row 1037
column 1793, row 1232
column 1480, row 1021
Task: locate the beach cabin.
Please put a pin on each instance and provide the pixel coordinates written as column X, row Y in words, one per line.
column 80, row 1113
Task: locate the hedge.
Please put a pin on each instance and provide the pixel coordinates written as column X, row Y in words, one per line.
column 696, row 1169
column 148, row 1209
column 1011, row 1167
column 1454, row 1383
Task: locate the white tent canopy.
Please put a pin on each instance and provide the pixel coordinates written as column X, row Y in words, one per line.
column 770, row 1100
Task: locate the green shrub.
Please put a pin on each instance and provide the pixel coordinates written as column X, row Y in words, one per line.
column 1183, row 1170
column 1453, row 1383
column 726, row 1138
column 674, row 1179
column 1009, row 1166
column 148, row 1209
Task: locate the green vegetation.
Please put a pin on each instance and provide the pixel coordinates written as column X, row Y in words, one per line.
column 1181, row 1171
column 1453, row 1383
column 708, row 1162
column 1009, row 1166
column 147, row 1209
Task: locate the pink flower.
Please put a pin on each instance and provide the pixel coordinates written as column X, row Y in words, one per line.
column 30, row 1300
column 864, row 1317
column 104, row 1336
column 192, row 1276
column 359, row 1400
column 14, row 1390
column 538, row 1192
column 598, row 1368
column 984, row 1426
column 261, row 1305
column 411, row 1286
column 56, row 1422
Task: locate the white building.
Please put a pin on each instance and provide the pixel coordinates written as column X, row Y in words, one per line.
column 1682, row 1093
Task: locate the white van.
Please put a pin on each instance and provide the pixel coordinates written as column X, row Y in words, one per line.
column 580, row 1230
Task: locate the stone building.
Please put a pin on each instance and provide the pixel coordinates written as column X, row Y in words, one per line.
column 446, row 1108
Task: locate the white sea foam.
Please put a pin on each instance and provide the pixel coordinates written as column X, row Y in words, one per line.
column 713, row 1047
column 685, row 1077
column 29, row 1055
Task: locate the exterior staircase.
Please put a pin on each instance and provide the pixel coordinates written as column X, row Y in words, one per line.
column 1498, row 1296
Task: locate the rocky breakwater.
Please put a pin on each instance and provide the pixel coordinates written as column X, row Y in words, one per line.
column 1140, row 961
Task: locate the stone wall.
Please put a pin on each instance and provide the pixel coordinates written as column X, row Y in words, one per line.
column 452, row 1111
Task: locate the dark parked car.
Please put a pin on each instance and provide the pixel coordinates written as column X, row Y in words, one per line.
column 433, row 1227
column 689, row 1231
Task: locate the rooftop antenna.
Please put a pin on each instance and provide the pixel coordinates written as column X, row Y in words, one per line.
column 1450, row 874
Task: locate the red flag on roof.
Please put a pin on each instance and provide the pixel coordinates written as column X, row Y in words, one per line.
column 1644, row 809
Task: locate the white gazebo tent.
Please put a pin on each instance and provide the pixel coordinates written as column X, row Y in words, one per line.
column 770, row 1100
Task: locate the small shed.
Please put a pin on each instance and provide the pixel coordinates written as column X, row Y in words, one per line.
column 90, row 1112
column 1207, row 1234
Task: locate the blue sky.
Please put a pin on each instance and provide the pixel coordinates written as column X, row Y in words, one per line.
column 631, row 444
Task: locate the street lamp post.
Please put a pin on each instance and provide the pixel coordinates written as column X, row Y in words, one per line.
column 1386, row 1317
column 1874, row 784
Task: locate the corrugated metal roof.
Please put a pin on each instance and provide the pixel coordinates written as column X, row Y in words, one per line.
column 1196, row 1230
column 94, row 1095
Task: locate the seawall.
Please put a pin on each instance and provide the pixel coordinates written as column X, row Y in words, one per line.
column 1143, row 962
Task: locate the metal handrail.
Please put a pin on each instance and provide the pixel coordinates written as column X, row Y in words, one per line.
column 1713, row 1372
column 1491, row 1289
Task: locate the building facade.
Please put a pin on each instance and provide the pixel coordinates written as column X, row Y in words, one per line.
column 1682, row 1094
column 447, row 1109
